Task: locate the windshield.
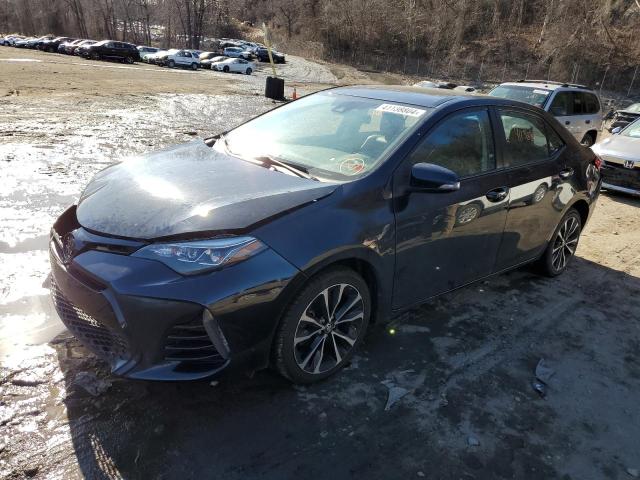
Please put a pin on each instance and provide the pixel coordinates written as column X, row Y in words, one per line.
column 530, row 95
column 331, row 136
column 632, row 130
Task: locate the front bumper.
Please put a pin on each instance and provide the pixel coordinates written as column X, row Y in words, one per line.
column 148, row 322
column 617, row 177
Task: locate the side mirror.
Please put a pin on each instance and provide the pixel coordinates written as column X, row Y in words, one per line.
column 427, row 177
column 616, row 130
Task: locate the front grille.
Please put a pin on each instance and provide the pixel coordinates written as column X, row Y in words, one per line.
column 190, row 345
column 621, row 177
column 102, row 341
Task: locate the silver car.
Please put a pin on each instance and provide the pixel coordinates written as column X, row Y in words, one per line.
column 620, row 155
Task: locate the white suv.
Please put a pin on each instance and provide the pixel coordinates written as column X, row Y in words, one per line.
column 575, row 106
column 179, row 58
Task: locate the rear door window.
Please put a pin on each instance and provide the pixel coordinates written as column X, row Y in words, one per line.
column 525, row 138
column 591, row 102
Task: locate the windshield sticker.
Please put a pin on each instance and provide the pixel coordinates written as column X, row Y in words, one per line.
column 401, row 110
column 542, row 92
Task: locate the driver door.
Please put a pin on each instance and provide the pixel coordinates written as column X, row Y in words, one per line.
column 447, row 239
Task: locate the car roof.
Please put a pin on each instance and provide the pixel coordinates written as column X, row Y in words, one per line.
column 548, row 85
column 423, row 97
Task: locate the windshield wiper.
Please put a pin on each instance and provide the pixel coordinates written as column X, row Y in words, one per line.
column 293, row 168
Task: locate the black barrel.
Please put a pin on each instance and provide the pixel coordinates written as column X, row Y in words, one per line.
column 274, row 88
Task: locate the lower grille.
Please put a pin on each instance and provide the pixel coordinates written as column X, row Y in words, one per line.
column 103, row 342
column 621, row 177
column 190, row 345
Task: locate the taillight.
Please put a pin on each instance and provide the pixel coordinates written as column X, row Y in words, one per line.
column 597, row 162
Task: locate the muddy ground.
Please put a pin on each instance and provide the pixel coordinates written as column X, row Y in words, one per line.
column 465, row 362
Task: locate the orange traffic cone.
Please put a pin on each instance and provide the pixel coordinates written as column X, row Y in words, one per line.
column 295, row 94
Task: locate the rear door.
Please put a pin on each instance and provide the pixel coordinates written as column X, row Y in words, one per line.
column 445, row 240
column 538, row 180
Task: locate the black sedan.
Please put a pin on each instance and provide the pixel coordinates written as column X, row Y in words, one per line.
column 280, row 241
column 110, row 49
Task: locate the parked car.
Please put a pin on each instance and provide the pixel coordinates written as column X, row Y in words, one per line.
column 208, row 62
column 234, row 65
column 280, row 241
column 81, row 48
column 25, row 42
column 62, row 48
column 236, row 52
column 159, row 58
column 39, row 42
column 125, row 52
column 263, row 55
column 53, row 44
column 620, row 154
column 622, row 118
column 179, row 58
column 10, row 40
column 430, row 84
column 153, row 57
column 577, row 107
column 144, row 52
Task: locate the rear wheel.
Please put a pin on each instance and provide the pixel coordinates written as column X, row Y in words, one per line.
column 129, row 60
column 323, row 326
column 194, row 66
column 95, row 56
column 225, row 69
column 563, row 244
column 248, row 72
column 589, row 139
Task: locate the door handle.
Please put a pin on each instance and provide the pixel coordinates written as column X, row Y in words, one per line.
column 567, row 122
column 497, row 194
column 566, row 173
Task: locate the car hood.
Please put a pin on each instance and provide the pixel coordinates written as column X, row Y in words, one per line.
column 190, row 188
column 620, row 146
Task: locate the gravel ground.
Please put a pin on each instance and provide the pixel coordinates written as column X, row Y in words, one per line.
column 458, row 371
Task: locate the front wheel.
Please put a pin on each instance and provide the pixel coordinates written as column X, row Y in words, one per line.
column 248, row 72
column 129, row 60
column 194, row 66
column 323, row 326
column 171, row 64
column 563, row 244
column 95, row 56
column 225, row 69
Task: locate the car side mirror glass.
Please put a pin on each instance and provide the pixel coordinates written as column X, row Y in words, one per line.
column 616, row 130
column 427, row 177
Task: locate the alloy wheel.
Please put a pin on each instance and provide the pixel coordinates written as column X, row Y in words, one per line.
column 565, row 243
column 328, row 328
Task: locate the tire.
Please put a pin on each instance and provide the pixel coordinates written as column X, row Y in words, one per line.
column 307, row 347
column 225, row 69
column 129, row 60
column 248, row 72
column 562, row 245
column 588, row 140
column 171, row 64
column 95, row 56
column 194, row 66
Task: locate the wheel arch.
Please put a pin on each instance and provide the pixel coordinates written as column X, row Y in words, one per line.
column 582, row 207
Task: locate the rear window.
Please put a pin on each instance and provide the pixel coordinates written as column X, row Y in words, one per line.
column 530, row 95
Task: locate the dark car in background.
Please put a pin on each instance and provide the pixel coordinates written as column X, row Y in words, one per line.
column 625, row 116
column 110, row 49
column 52, row 45
column 79, row 48
column 278, row 242
column 262, row 54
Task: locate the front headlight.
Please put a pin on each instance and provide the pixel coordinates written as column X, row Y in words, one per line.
column 189, row 258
